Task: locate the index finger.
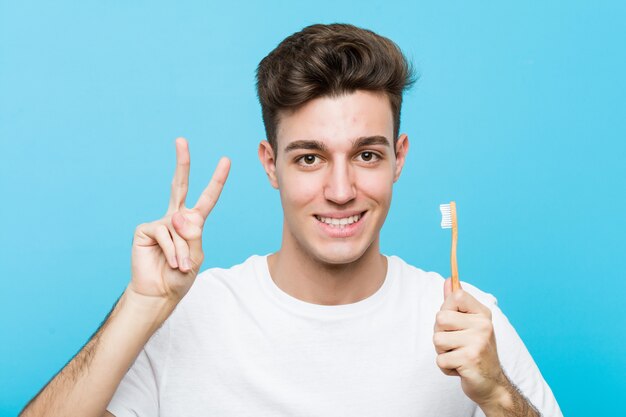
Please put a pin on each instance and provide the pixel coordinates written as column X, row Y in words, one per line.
column 212, row 192
column 180, row 183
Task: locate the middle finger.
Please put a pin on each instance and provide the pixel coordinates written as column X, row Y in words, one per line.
column 180, row 183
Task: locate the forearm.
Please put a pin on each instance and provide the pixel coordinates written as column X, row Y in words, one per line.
column 87, row 383
column 509, row 402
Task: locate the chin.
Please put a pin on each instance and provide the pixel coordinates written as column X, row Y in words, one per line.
column 337, row 255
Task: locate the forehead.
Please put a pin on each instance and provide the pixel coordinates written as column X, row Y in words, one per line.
column 337, row 121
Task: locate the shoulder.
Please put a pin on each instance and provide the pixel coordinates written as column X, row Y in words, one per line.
column 219, row 285
column 244, row 271
column 429, row 284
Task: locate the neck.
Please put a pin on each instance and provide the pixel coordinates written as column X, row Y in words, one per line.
column 302, row 276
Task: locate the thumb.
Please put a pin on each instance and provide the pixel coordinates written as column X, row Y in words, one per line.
column 447, row 288
column 189, row 231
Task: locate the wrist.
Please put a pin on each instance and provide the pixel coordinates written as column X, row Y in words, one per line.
column 500, row 399
column 146, row 311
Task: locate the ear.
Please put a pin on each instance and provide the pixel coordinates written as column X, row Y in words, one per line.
column 268, row 160
column 402, row 149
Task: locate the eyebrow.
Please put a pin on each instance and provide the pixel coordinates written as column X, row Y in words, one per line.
column 370, row 141
column 316, row 145
column 313, row 145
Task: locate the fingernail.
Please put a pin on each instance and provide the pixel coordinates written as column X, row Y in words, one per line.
column 186, row 263
column 173, row 262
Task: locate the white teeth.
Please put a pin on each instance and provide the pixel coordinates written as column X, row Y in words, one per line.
column 339, row 222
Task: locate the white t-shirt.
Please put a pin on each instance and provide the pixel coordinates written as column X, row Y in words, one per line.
column 237, row 345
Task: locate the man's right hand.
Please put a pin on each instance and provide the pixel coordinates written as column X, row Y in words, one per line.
column 167, row 253
column 166, row 258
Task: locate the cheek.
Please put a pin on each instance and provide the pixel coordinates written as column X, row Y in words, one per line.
column 377, row 185
column 296, row 189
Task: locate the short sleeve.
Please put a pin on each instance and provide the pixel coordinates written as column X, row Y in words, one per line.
column 519, row 366
column 138, row 393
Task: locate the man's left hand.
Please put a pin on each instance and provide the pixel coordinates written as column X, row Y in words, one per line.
column 466, row 346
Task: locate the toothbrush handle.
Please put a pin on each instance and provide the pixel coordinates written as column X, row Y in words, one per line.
column 453, row 265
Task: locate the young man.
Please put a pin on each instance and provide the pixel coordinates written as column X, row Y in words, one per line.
column 326, row 326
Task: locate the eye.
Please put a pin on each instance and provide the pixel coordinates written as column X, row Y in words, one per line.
column 308, row 160
column 369, row 156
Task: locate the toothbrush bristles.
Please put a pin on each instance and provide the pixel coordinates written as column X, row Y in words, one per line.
column 446, row 216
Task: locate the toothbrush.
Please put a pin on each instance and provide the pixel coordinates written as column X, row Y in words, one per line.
column 448, row 220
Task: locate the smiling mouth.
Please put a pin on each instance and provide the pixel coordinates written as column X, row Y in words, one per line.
column 340, row 223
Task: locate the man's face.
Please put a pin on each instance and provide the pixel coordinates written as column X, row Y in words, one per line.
column 335, row 165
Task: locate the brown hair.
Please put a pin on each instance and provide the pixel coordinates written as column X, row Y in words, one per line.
column 330, row 60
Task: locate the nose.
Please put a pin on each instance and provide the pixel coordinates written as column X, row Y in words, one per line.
column 340, row 187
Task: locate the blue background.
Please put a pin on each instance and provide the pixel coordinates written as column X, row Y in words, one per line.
column 518, row 116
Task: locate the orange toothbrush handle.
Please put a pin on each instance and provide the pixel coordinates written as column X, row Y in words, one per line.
column 453, row 265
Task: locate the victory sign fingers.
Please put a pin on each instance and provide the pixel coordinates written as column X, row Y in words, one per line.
column 186, row 223
column 167, row 253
